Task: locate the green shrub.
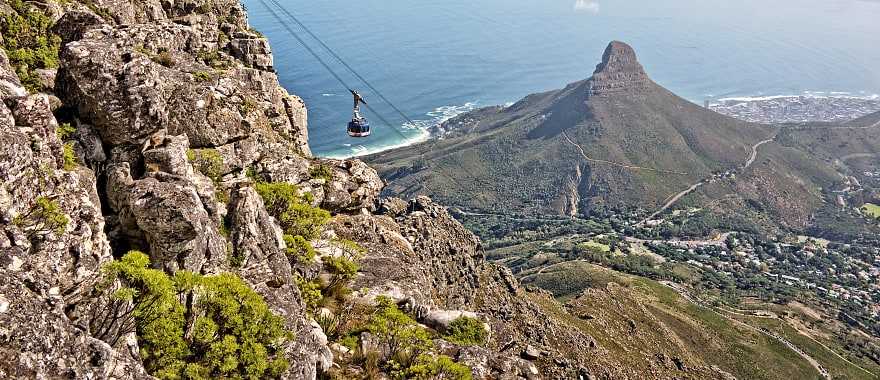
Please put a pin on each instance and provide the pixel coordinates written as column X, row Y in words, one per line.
column 321, row 171
column 208, row 162
column 69, row 157
column 64, row 131
column 213, row 58
column 329, row 324
column 233, row 334
column 277, row 196
column 304, row 220
column 29, row 43
column 404, row 339
column 164, row 58
column 159, row 315
column 299, row 249
column 247, row 106
column 237, row 336
column 202, row 76
column 310, row 291
column 343, row 269
column 466, row 331
column 429, row 367
column 295, row 217
column 44, row 215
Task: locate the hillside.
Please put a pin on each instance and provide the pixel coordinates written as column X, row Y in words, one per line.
column 162, row 216
column 620, row 142
column 612, row 140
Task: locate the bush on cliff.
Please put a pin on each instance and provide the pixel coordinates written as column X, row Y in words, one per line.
column 232, row 333
column 28, row 43
column 466, row 331
column 296, row 217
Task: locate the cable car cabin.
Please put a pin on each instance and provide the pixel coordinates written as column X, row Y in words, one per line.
column 359, row 127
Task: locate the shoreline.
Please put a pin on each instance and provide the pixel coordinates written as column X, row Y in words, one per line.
column 811, row 106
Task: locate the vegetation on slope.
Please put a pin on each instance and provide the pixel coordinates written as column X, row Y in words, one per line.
column 29, row 43
column 234, row 334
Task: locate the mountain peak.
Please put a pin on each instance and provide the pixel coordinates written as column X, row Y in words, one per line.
column 619, row 71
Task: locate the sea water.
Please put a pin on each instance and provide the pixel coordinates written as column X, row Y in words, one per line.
column 437, row 58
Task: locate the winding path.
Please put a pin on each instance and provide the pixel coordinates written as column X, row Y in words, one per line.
column 625, row 166
column 751, row 159
column 813, row 362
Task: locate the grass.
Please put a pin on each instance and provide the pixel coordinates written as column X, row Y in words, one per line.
column 872, row 210
column 837, row 367
column 596, row 246
column 704, row 335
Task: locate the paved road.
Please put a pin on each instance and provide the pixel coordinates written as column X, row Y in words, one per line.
column 751, row 159
column 718, row 241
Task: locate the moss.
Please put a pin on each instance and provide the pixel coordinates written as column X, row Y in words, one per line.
column 233, row 333
column 29, row 43
column 44, row 215
column 202, row 76
column 321, row 171
column 208, row 162
column 69, row 157
column 466, row 331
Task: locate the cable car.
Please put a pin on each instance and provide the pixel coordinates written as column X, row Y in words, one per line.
column 358, row 126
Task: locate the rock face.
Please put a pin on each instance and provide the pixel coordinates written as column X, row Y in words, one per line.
column 619, row 71
column 52, row 247
column 175, row 113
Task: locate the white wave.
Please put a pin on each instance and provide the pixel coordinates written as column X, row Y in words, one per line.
column 328, row 95
column 422, row 126
column 806, row 94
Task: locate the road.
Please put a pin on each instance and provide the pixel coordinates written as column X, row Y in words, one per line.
column 718, row 241
column 687, row 296
column 751, row 159
column 754, row 154
column 858, row 155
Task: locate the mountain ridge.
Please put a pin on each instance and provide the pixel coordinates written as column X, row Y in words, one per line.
column 619, row 118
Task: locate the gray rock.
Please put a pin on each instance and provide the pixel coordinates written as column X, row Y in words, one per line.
column 10, row 86
column 257, row 239
column 252, row 51
column 531, row 353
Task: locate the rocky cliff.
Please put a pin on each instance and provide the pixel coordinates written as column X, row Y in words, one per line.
column 163, row 129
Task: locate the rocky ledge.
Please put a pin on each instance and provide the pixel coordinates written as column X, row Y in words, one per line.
column 619, row 71
column 164, row 130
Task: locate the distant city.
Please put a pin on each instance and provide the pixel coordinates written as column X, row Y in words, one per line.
column 796, row 109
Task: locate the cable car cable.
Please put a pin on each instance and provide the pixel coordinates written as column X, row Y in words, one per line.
column 325, row 64
column 342, row 61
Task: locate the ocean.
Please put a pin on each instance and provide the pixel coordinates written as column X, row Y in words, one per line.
column 435, row 59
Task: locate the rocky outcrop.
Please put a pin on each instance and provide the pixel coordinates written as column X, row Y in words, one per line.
column 52, row 247
column 176, row 113
column 619, row 71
